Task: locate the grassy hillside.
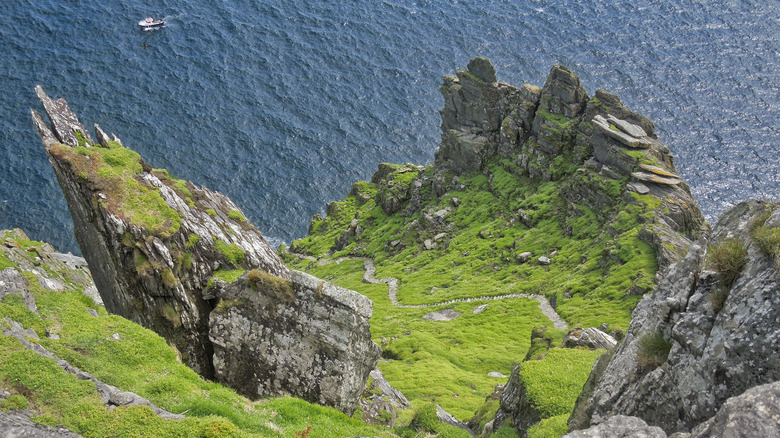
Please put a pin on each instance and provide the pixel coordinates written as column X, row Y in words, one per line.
column 126, row 355
column 469, row 243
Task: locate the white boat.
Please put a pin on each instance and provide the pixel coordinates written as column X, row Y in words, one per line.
column 151, row 23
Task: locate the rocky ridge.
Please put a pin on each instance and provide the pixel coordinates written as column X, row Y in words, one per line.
column 159, row 249
column 603, row 162
column 720, row 341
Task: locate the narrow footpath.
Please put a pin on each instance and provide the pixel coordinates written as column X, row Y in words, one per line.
column 392, row 290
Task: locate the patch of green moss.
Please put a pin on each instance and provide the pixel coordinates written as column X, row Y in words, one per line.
column 560, row 121
column 13, row 402
column 211, row 212
column 192, row 240
column 81, row 139
column 236, row 216
column 228, row 275
column 553, row 383
column 186, row 261
column 232, row 252
column 427, row 420
column 115, row 171
column 471, row 76
column 553, row 427
column 650, row 201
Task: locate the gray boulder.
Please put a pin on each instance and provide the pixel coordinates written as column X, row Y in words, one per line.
column 303, row 336
column 620, row 426
column 592, row 338
column 483, row 69
column 755, row 413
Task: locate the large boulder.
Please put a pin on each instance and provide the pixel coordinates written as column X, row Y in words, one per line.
column 755, row 413
column 301, row 336
column 620, row 426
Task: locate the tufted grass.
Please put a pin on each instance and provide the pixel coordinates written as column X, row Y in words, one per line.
column 727, row 258
column 231, row 251
column 767, row 239
column 653, row 350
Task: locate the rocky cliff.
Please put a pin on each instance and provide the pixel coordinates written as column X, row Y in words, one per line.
column 549, row 130
column 302, row 336
column 160, row 249
column 708, row 332
column 542, row 190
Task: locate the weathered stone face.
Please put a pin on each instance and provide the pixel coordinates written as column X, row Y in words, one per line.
column 714, row 354
column 302, row 336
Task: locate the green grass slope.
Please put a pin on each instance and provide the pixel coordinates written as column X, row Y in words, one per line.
column 126, row 355
column 474, row 251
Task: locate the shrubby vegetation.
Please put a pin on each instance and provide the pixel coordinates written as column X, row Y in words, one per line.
column 767, row 238
column 653, row 350
column 727, row 258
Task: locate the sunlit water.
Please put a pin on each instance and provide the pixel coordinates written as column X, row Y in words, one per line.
column 282, row 105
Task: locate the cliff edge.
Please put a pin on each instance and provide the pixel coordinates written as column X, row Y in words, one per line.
column 163, row 251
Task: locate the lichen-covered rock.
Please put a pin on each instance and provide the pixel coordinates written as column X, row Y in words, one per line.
column 712, row 355
column 152, row 242
column 620, row 426
column 300, row 336
column 480, row 114
column 515, row 405
column 755, row 413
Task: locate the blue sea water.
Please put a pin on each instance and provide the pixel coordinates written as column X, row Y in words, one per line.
column 282, row 105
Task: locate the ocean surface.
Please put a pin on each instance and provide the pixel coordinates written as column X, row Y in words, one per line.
column 282, row 105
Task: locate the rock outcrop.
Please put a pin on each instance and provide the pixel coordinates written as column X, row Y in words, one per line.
column 515, row 406
column 591, row 337
column 755, row 413
column 550, row 130
column 620, row 426
column 152, row 242
column 158, row 248
column 695, row 341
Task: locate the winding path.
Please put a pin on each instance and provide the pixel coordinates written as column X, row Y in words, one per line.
column 392, row 290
